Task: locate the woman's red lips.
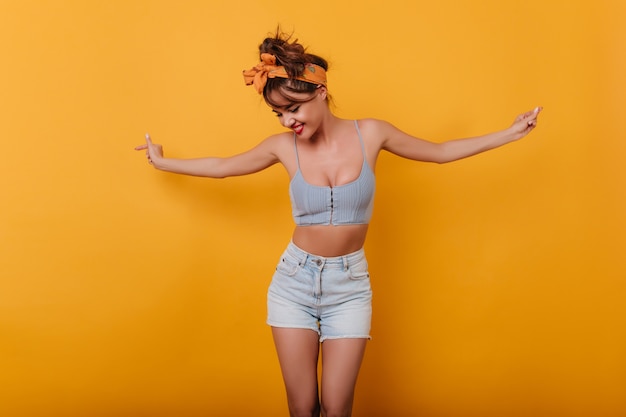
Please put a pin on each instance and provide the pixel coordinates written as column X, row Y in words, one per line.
column 298, row 129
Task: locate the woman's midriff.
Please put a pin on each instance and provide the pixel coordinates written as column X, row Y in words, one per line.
column 330, row 240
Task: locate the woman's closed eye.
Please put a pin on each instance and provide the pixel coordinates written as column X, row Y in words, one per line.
column 292, row 110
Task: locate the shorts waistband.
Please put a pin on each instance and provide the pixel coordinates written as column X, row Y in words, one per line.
column 344, row 261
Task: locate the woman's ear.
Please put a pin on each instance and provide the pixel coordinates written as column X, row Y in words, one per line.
column 323, row 92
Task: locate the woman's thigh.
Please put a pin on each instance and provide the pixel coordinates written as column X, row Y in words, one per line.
column 341, row 361
column 298, row 352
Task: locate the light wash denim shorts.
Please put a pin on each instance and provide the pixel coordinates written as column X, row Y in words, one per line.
column 329, row 295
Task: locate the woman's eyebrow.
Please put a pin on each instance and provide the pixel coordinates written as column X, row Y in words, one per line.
column 285, row 107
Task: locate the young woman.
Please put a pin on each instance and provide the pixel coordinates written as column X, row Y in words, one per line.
column 320, row 292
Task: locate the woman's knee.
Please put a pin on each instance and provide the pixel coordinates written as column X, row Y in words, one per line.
column 330, row 409
column 304, row 410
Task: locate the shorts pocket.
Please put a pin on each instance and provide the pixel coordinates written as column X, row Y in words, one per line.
column 359, row 270
column 287, row 266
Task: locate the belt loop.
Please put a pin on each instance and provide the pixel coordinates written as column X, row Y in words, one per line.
column 302, row 257
column 345, row 262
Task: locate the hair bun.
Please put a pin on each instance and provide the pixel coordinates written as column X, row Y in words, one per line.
column 289, row 53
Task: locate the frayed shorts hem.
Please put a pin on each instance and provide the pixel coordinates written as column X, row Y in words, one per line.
column 317, row 330
column 345, row 337
column 291, row 326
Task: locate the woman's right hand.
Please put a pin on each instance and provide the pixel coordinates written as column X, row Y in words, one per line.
column 154, row 151
column 253, row 160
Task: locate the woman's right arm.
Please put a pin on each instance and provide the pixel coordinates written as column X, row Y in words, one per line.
column 256, row 159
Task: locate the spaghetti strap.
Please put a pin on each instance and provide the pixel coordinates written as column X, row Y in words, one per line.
column 358, row 131
column 295, row 147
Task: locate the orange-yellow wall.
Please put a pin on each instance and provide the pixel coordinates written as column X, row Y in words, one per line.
column 499, row 280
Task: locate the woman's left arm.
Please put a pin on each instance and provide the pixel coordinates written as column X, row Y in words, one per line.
column 407, row 146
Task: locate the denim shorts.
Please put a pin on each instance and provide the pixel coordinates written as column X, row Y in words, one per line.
column 329, row 295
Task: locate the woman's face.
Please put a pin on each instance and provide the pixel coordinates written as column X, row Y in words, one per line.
column 300, row 112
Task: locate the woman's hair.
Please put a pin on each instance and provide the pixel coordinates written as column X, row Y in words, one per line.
column 293, row 56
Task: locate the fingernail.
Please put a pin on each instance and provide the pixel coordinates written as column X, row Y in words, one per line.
column 537, row 109
column 147, row 136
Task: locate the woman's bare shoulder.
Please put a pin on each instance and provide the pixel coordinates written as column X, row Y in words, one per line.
column 279, row 142
column 282, row 145
column 374, row 130
column 377, row 127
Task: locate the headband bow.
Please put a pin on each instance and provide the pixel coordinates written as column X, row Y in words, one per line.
column 267, row 68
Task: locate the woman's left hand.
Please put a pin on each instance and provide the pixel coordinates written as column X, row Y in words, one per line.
column 525, row 123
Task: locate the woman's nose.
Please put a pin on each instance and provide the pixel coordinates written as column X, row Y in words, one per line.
column 287, row 121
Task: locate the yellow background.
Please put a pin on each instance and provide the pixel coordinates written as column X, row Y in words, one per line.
column 499, row 280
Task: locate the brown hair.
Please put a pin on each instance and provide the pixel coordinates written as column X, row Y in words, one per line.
column 293, row 56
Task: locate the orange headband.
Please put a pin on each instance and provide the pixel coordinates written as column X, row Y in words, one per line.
column 267, row 68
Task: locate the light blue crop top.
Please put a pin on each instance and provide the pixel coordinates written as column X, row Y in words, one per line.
column 349, row 203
